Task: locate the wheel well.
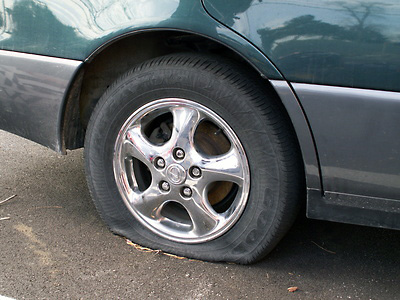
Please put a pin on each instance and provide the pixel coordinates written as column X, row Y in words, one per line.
column 114, row 59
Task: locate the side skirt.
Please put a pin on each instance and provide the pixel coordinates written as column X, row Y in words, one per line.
column 353, row 209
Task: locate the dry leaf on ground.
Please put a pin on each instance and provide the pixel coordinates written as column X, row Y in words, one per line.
column 148, row 250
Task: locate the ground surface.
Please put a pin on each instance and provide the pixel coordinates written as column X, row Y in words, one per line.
column 54, row 246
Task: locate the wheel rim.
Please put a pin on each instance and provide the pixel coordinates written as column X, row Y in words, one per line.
column 181, row 170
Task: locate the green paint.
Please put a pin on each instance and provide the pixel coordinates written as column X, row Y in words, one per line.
column 341, row 43
column 344, row 43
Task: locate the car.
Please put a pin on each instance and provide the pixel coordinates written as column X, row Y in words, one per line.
column 207, row 125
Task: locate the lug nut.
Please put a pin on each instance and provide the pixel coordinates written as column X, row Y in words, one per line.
column 179, row 153
column 160, row 163
column 187, row 192
column 195, row 172
column 164, row 186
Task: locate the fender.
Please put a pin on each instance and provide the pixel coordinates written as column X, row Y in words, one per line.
column 86, row 31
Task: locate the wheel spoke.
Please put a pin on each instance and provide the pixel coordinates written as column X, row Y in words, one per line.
column 203, row 216
column 225, row 167
column 149, row 202
column 136, row 145
column 130, row 174
column 185, row 122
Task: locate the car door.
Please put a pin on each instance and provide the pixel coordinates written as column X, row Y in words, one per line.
column 342, row 60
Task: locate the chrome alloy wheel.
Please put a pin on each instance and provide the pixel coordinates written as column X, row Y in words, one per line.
column 181, row 170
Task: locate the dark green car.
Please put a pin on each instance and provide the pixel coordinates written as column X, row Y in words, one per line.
column 208, row 124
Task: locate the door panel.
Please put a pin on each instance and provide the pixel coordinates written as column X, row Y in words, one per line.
column 340, row 43
column 329, row 50
column 357, row 136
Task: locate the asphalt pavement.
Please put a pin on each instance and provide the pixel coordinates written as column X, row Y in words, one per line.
column 54, row 246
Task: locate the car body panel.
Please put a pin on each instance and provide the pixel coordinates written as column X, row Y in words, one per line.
column 353, row 209
column 338, row 43
column 358, row 139
column 303, row 133
column 76, row 29
column 32, row 91
column 342, row 47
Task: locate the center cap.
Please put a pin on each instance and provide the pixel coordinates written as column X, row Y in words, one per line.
column 176, row 174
